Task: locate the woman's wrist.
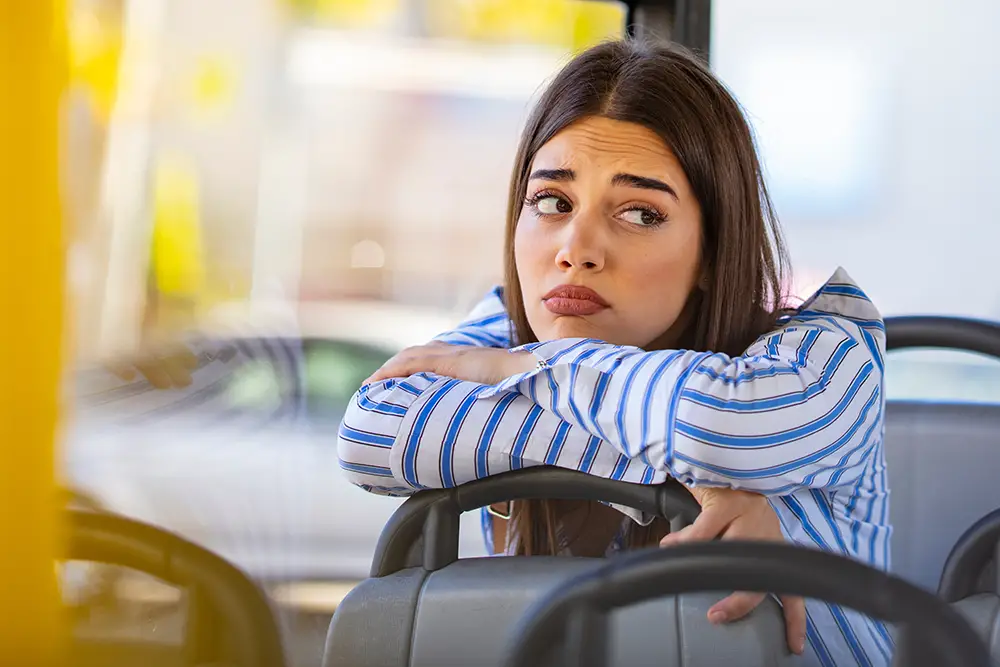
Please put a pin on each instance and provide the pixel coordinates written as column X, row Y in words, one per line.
column 521, row 362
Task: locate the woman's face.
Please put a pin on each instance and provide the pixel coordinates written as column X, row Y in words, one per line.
column 608, row 242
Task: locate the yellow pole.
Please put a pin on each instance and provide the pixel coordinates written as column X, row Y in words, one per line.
column 32, row 76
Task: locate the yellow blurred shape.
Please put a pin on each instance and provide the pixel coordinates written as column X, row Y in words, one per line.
column 213, row 85
column 95, row 45
column 178, row 261
column 597, row 22
column 573, row 25
column 350, row 13
column 33, row 71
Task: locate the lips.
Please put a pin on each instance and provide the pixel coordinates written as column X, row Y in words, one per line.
column 574, row 300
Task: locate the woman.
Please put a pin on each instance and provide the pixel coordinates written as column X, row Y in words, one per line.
column 639, row 336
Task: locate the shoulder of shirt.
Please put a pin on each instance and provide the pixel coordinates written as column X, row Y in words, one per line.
column 839, row 297
column 491, row 304
column 842, row 308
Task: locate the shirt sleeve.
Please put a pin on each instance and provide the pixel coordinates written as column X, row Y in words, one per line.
column 427, row 431
column 486, row 326
column 802, row 408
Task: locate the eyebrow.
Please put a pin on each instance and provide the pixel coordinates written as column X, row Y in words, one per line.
column 627, row 180
column 552, row 175
column 633, row 181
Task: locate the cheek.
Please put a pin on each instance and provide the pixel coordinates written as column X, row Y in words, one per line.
column 657, row 284
column 529, row 255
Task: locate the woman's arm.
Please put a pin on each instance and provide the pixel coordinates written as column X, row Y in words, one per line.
column 801, row 409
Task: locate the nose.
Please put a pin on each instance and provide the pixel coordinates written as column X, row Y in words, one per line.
column 582, row 247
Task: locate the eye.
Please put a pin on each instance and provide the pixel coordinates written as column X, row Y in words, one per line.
column 549, row 204
column 643, row 217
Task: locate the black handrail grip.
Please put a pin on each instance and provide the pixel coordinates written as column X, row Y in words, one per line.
column 940, row 332
column 944, row 637
column 412, row 520
column 117, row 540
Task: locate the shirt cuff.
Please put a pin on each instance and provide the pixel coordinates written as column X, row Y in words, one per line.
column 548, row 354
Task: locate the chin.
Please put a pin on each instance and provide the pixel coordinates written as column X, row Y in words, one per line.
column 571, row 327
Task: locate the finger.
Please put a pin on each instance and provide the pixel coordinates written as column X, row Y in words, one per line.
column 187, row 359
column 794, row 610
column 155, row 373
column 734, row 607
column 180, row 376
column 425, row 358
column 388, row 370
column 710, row 524
column 122, row 371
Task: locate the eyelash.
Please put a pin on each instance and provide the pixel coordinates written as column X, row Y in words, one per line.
column 533, row 201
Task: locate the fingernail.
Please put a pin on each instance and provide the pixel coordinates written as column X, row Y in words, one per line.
column 800, row 646
column 717, row 617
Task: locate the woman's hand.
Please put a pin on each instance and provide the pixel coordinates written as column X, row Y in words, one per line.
column 485, row 365
column 740, row 515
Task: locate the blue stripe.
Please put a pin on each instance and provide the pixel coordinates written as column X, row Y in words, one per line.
column 817, row 643
column 781, row 437
column 486, row 320
column 848, row 290
column 781, row 469
column 378, row 471
column 851, row 506
column 574, row 371
column 822, row 503
column 878, row 325
column 408, row 388
column 786, row 400
column 675, row 396
column 590, row 453
column 487, row 339
column 555, row 447
column 647, row 475
column 517, row 451
column 599, row 393
column 623, row 400
column 486, row 524
column 774, row 370
column 486, row 439
column 852, row 639
column 647, row 402
column 873, row 347
column 620, row 467
column 883, row 647
column 447, row 458
column 365, row 438
column 382, row 407
column 417, row 431
column 554, row 359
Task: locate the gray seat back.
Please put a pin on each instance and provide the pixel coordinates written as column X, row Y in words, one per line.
column 944, row 475
column 983, row 613
column 462, row 615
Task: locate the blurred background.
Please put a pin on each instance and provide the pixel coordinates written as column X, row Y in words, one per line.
column 339, row 168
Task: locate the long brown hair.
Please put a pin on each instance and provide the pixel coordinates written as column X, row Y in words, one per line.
column 667, row 90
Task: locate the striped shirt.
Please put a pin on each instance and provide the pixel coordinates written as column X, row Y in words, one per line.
column 798, row 417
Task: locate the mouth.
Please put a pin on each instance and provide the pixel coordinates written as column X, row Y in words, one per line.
column 574, row 300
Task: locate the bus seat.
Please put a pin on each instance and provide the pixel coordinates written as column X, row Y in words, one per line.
column 461, row 616
column 942, row 460
column 983, row 613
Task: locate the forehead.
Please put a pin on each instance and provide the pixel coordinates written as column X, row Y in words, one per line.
column 614, row 145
